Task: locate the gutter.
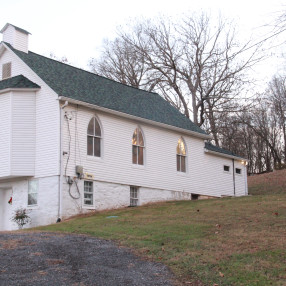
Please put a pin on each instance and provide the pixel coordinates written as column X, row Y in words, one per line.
column 133, row 117
column 226, row 155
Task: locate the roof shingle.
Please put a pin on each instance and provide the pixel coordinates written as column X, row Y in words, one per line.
column 88, row 87
column 17, row 82
column 216, row 149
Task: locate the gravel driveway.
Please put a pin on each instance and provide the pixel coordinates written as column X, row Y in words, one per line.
column 59, row 259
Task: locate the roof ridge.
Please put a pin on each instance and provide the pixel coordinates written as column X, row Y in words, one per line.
column 92, row 73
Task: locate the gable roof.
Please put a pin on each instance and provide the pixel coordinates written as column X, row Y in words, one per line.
column 222, row 151
column 78, row 84
column 17, row 28
column 17, row 82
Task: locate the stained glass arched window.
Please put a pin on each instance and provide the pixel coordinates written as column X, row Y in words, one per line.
column 181, row 156
column 94, row 138
column 138, row 147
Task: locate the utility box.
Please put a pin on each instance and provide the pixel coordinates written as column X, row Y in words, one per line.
column 79, row 171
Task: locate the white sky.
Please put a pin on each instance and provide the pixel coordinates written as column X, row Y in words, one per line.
column 75, row 29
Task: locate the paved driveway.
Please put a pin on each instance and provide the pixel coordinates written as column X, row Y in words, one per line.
column 59, row 259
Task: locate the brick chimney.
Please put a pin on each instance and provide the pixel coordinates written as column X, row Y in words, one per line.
column 16, row 37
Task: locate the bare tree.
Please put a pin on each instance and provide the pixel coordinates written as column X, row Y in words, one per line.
column 121, row 62
column 197, row 65
column 62, row 59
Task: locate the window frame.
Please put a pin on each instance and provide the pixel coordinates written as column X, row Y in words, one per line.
column 95, row 137
column 36, row 182
column 238, row 173
column 140, row 148
column 134, row 196
column 226, row 171
column 180, row 155
column 91, row 187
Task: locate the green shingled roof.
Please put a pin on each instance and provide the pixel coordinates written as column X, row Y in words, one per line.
column 88, row 87
column 17, row 82
column 214, row 148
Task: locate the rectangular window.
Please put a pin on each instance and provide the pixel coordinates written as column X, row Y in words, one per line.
column 33, row 187
column 226, row 168
column 181, row 163
column 238, row 171
column 88, row 193
column 134, row 194
column 6, row 70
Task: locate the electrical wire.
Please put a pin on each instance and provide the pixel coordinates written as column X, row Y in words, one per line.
column 70, row 183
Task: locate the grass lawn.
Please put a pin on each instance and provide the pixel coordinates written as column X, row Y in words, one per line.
column 229, row 241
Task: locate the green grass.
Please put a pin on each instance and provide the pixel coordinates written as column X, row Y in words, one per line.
column 229, row 241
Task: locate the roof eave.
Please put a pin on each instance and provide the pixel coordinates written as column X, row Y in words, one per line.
column 19, row 89
column 133, row 117
column 226, row 155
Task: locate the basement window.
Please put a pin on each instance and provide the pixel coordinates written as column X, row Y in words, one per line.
column 226, row 168
column 6, row 70
column 134, row 195
column 88, row 193
column 238, row 171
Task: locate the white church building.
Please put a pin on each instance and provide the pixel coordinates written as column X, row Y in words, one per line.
column 72, row 142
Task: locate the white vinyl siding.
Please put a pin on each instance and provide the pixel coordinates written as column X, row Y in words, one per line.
column 47, row 114
column 204, row 174
column 16, row 38
column 23, row 134
column 5, row 134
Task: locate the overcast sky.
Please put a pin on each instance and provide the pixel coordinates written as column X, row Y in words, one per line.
column 75, row 29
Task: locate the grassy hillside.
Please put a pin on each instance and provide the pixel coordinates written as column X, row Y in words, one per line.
column 229, row 241
column 269, row 183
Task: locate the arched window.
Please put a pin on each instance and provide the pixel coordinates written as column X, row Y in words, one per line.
column 94, row 138
column 138, row 147
column 181, row 156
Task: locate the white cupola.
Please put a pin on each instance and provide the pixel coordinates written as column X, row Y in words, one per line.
column 16, row 37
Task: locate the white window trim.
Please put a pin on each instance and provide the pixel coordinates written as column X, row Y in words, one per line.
column 95, row 136
column 33, row 205
column 186, row 158
column 86, row 206
column 134, row 198
column 144, row 150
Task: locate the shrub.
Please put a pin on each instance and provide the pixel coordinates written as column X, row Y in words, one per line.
column 21, row 217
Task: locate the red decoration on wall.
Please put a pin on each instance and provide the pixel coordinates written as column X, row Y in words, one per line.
column 10, row 201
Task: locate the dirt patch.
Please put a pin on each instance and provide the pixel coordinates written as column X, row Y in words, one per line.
column 52, row 259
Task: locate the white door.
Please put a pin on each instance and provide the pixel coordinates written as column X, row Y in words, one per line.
column 5, row 209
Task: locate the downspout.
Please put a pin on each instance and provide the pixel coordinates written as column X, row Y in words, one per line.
column 61, row 162
column 233, row 177
column 245, row 174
